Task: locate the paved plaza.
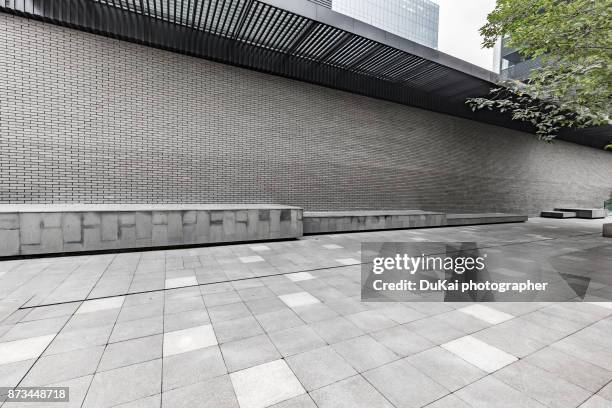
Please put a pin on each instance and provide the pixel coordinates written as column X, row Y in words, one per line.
column 281, row 324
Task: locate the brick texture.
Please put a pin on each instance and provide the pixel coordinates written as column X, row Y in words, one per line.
column 89, row 119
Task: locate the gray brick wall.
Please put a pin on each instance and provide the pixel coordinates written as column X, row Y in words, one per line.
column 89, row 119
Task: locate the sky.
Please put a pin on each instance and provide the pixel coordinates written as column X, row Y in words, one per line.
column 458, row 30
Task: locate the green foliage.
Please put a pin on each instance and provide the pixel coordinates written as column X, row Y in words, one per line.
column 573, row 40
column 608, row 147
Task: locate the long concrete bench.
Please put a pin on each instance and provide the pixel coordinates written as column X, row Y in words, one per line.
column 483, row 218
column 589, row 213
column 41, row 229
column 558, row 214
column 367, row 220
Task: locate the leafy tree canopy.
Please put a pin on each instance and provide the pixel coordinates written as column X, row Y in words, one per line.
column 573, row 41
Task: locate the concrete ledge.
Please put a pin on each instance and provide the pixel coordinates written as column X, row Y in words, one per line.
column 362, row 220
column 36, row 229
column 589, row 213
column 607, row 230
column 484, row 218
column 558, row 214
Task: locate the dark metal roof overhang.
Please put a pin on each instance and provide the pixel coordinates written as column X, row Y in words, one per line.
column 296, row 39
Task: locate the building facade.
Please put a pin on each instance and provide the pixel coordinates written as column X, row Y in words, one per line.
column 512, row 65
column 92, row 119
column 416, row 20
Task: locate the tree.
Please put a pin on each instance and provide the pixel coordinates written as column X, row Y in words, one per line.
column 573, row 41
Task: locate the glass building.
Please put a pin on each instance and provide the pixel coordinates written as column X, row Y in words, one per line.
column 512, row 65
column 416, row 20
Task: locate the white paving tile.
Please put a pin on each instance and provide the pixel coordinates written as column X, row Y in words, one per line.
column 332, row 246
column 181, row 282
column 348, row 261
column 479, row 353
column 265, row 385
column 95, row 305
column 259, row 248
column 251, row 259
column 486, row 313
column 25, row 349
column 300, row 276
column 181, row 341
column 299, row 299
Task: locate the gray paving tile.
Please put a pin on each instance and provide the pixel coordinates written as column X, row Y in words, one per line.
column 124, row 384
column 78, row 388
column 296, row 340
column 249, row 352
column 315, row 312
column 370, row 321
column 449, row 401
column 185, row 320
column 131, row 351
column 231, row 330
column 191, row 367
column 445, row 368
column 154, row 401
column 79, row 339
column 213, row 393
column 354, row 392
column 606, row 392
column 399, row 313
column 100, row 304
column 435, row 330
column 596, row 402
column 230, row 311
column 299, row 299
column 364, row 353
column 12, row 373
column 265, row 384
column 542, row 386
column 279, row 320
column 336, row 330
column 402, row 341
column 64, row 366
column 137, row 328
column 489, row 392
column 570, row 368
column 320, row 367
column 404, row 385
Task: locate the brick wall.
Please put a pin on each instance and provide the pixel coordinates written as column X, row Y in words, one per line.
column 89, row 119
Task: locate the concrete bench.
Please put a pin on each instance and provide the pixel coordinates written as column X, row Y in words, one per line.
column 558, row 214
column 483, row 218
column 607, row 230
column 368, row 220
column 589, row 213
column 55, row 228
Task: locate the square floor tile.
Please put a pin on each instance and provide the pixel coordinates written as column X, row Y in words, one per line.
column 488, row 314
column 130, row 352
column 402, row 341
column 354, row 392
column 296, row 340
column 265, row 385
column 279, row 320
column 490, row 392
column 320, row 367
column 213, row 393
column 251, row 259
column 237, row 329
column 336, row 330
column 250, row 352
column 64, row 366
column 404, row 385
column 332, row 246
column 24, row 349
column 348, row 261
column 364, row 353
column 95, row 305
column 479, row 353
column 124, row 384
column 299, row 276
column 181, row 341
column 181, row 282
column 193, row 366
column 299, row 299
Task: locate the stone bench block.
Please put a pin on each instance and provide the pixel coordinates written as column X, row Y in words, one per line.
column 607, row 230
column 38, row 229
column 558, row 214
column 588, row 213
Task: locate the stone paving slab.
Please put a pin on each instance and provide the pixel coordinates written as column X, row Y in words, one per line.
column 211, row 330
